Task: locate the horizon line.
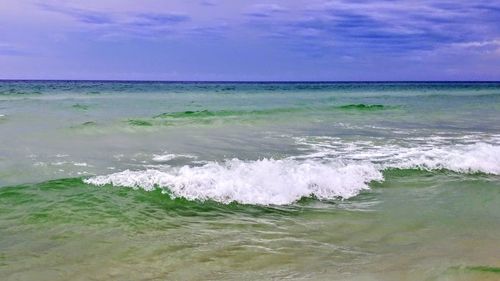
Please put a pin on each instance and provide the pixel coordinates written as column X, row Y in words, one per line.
column 250, row 81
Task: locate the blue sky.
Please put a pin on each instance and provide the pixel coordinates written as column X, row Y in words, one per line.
column 250, row 40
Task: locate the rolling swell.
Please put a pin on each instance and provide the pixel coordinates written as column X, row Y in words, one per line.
column 263, row 112
column 208, row 113
column 225, row 113
column 140, row 123
column 362, row 106
column 78, row 201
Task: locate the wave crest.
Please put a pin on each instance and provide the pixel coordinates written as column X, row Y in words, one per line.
column 262, row 182
column 332, row 169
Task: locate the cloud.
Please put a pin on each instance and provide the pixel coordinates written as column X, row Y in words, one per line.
column 265, row 10
column 114, row 25
column 140, row 19
column 341, row 26
column 159, row 19
column 211, row 31
column 80, row 15
column 479, row 44
column 351, row 27
column 483, row 47
column 308, row 36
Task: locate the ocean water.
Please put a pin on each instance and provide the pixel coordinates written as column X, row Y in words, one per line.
column 249, row 181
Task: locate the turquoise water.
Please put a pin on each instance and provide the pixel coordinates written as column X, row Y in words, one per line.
column 224, row 181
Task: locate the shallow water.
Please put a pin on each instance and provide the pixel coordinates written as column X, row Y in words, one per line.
column 217, row 181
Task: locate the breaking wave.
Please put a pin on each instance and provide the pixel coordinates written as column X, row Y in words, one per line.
column 332, row 169
column 262, row 182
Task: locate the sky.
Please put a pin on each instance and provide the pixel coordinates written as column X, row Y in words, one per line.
column 244, row 40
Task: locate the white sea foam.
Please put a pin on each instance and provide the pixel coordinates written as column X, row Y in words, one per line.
column 170, row 156
column 473, row 158
column 470, row 156
column 262, row 182
column 163, row 157
column 327, row 168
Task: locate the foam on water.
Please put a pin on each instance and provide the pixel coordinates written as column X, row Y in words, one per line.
column 469, row 155
column 163, row 157
column 474, row 158
column 262, row 182
column 329, row 168
column 170, row 156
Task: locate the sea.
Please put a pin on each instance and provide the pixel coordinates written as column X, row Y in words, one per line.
column 133, row 180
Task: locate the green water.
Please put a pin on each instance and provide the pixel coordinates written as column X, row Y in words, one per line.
column 208, row 181
column 429, row 227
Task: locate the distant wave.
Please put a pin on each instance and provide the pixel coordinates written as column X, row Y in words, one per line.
column 362, row 106
column 224, row 113
column 13, row 92
column 466, row 154
column 475, row 158
column 138, row 122
column 80, row 106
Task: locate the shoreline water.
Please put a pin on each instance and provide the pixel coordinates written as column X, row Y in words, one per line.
column 186, row 181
